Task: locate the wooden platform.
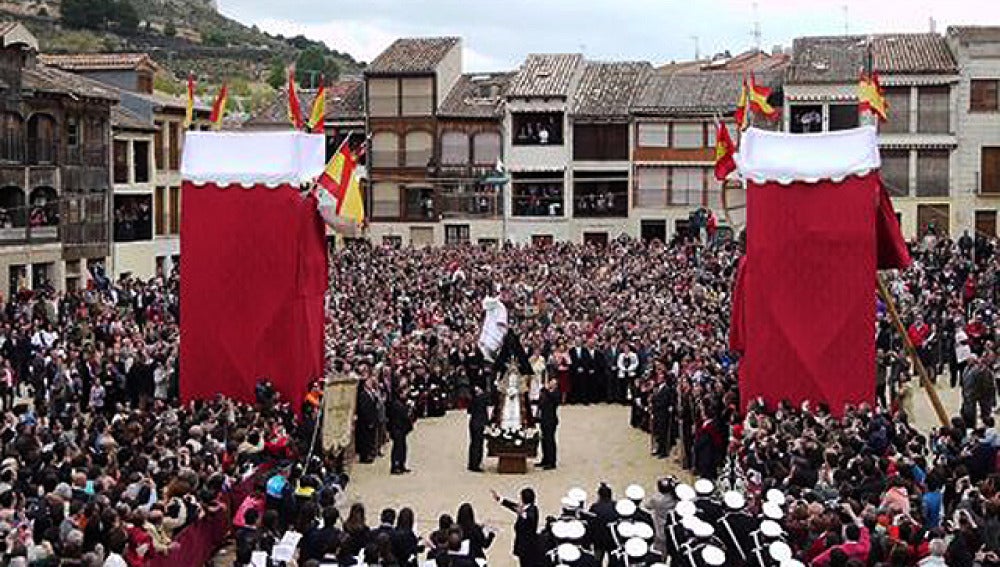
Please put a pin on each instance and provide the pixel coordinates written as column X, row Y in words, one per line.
column 512, row 463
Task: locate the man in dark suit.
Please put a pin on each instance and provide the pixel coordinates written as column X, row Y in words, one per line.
column 527, row 546
column 548, row 405
column 400, row 425
column 478, row 418
column 579, row 374
column 367, row 423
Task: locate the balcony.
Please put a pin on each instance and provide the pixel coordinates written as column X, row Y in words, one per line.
column 13, row 234
column 43, row 233
column 472, row 204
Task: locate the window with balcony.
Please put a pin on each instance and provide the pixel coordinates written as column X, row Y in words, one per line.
column 989, row 165
column 654, row 135
column 11, row 137
column 933, row 110
column 454, row 148
column 140, row 156
column 896, row 172
column 44, row 210
column 42, row 141
column 600, row 194
column 688, row 135
column 843, row 116
column 537, row 128
column 120, row 151
column 686, row 185
column 600, row 142
column 385, row 200
column 652, row 187
column 419, row 148
column 898, row 99
column 984, row 95
column 486, row 148
column 418, row 96
column 805, row 118
column 537, row 194
column 385, row 150
column 383, row 97
column 133, row 218
column 12, row 210
column 932, row 173
column 464, row 200
column 419, row 203
column 456, row 233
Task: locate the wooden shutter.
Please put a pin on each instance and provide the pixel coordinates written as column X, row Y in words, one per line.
column 984, row 95
column 932, row 173
column 990, row 170
column 896, row 172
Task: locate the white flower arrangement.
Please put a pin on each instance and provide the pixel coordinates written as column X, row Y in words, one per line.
column 509, row 435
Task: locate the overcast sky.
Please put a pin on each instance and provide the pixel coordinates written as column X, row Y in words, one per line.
column 498, row 34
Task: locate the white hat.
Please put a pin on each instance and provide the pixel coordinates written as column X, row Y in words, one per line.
column 770, row 528
column 575, row 529
column 773, row 511
column 578, row 494
column 689, row 522
column 626, row 529
column 635, row 492
column 792, row 563
column 703, row 529
column 713, row 555
column 686, row 508
column 643, row 530
column 636, row 547
column 684, row 492
column 703, row 486
column 569, row 502
column 734, row 500
column 625, row 508
column 568, row 552
column 560, row 529
column 779, row 551
column 776, row 496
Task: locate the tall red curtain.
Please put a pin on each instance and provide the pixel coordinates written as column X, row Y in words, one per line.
column 254, row 275
column 804, row 305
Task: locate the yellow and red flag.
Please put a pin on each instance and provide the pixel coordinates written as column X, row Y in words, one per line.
column 871, row 97
column 724, row 151
column 339, row 192
column 189, row 111
column 294, row 105
column 758, row 99
column 318, row 113
column 219, row 107
column 742, row 117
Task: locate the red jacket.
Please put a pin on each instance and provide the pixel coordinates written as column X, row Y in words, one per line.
column 140, row 546
column 918, row 334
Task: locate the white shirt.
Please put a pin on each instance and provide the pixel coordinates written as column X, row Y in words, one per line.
column 115, row 560
column 494, row 326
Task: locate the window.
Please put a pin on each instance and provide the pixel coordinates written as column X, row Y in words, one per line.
column 140, row 156
column 933, row 110
column 159, row 210
column 72, row 132
column 990, row 170
column 538, row 194
column 175, row 146
column 651, row 188
column 44, row 209
column 11, row 137
column 12, row 211
column 600, row 194
column 654, row 135
column 42, row 143
column 932, row 173
column 934, row 217
column 688, row 135
column 133, row 218
column 120, row 149
column 898, row 99
column 487, row 242
column 383, row 97
column 419, row 203
column 984, row 95
column 537, row 128
column 175, row 210
column 419, row 148
column 686, row 185
column 41, row 274
column 418, row 96
column 843, row 116
column 385, row 200
column 896, row 172
column 986, row 224
column 541, row 240
column 158, row 146
column 600, row 142
column 385, row 146
column 731, row 126
column 650, row 230
column 806, row 118
column 456, row 233
column 486, row 148
column 392, row 241
column 144, row 83
column 454, row 148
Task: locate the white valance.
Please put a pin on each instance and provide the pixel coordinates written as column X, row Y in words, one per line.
column 252, row 158
column 787, row 158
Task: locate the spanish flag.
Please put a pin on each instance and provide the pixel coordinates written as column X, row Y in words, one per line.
column 294, row 106
column 724, row 150
column 758, row 99
column 339, row 192
column 318, row 113
column 742, row 118
column 219, row 107
column 871, row 97
column 189, row 112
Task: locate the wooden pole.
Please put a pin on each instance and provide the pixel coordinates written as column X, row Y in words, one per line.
column 925, row 380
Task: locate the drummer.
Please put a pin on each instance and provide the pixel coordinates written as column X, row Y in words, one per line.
column 636, row 494
column 676, row 533
column 694, row 550
column 708, row 506
column 736, row 527
column 571, row 555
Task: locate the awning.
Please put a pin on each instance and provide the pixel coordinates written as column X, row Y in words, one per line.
column 253, row 158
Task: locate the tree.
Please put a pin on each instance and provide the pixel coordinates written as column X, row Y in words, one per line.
column 170, row 29
column 214, row 38
column 90, row 14
column 276, row 76
column 312, row 63
column 125, row 14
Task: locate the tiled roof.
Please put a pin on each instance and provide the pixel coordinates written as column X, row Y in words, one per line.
column 840, row 59
column 344, row 101
column 51, row 80
column 607, row 89
column 412, row 55
column 5, row 27
column 694, row 93
column 98, row 61
column 750, row 60
column 974, row 34
column 545, row 74
column 125, row 119
column 12, row 33
column 476, row 95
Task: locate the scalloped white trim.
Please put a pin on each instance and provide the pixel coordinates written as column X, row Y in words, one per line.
column 807, row 158
column 253, row 158
column 240, row 183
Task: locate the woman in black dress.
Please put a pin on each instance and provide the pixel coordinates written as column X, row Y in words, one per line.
column 357, row 535
column 479, row 540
